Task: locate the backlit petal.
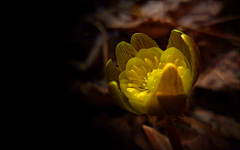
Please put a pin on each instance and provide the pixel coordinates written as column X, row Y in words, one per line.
column 123, row 75
column 140, row 103
column 176, row 40
column 124, row 52
column 195, row 56
column 142, row 41
column 119, row 98
column 187, row 81
column 176, row 54
column 157, row 50
column 126, row 91
column 137, row 62
column 152, row 55
column 112, row 72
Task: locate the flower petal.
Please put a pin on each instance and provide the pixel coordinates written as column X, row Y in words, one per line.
column 170, row 81
column 187, row 81
column 137, row 62
column 130, row 93
column 142, row 41
column 157, row 50
column 149, row 54
column 170, row 93
column 123, row 75
column 195, row 56
column 139, row 103
column 112, row 72
column 176, row 53
column 119, row 98
column 176, row 40
column 137, row 98
column 124, row 52
column 169, row 99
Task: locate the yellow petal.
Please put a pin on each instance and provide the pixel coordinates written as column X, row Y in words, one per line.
column 123, row 75
column 124, row 52
column 130, row 93
column 187, row 81
column 138, row 105
column 170, row 81
column 142, row 41
column 157, row 50
column 137, row 62
column 174, row 53
column 176, row 40
column 112, row 72
column 150, row 54
column 195, row 56
column 119, row 98
column 146, row 103
column 170, row 93
column 136, row 98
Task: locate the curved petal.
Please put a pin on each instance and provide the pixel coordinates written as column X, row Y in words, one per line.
column 139, row 103
column 176, row 53
column 112, row 72
column 170, row 81
column 195, row 56
column 187, row 81
column 157, row 50
column 141, row 100
column 137, row 62
column 142, row 41
column 170, row 93
column 119, row 98
column 124, row 52
column 130, row 93
column 149, row 54
column 176, row 40
column 123, row 75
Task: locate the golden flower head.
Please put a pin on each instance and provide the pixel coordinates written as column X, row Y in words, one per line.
column 152, row 81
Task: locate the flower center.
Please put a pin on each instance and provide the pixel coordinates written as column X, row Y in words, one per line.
column 142, row 76
column 142, row 81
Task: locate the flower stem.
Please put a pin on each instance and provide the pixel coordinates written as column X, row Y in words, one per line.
column 173, row 136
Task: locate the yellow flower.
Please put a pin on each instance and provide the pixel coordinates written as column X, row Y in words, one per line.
column 151, row 81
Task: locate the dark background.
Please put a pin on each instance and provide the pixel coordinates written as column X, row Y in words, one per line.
column 77, row 120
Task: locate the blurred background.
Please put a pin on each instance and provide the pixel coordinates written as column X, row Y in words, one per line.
column 83, row 113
